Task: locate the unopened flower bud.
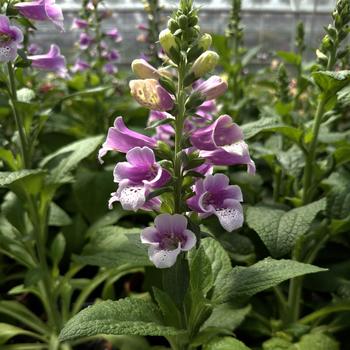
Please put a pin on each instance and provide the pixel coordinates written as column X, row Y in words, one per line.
column 144, row 70
column 320, row 55
column 183, row 22
column 172, row 25
column 167, row 40
column 205, row 41
column 205, row 63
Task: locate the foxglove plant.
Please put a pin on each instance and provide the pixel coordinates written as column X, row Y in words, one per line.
column 205, row 143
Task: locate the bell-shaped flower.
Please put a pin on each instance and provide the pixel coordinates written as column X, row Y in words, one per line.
column 10, row 38
column 214, row 195
column 212, row 87
column 80, row 65
column 122, row 139
column 51, row 61
column 220, row 133
column 144, row 70
column 114, row 34
column 79, row 23
column 167, row 239
column 150, row 94
column 85, row 40
column 137, row 177
column 34, row 49
column 110, row 68
column 42, row 10
column 113, row 55
column 164, row 132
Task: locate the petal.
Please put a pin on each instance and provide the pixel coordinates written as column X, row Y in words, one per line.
column 178, row 224
column 163, row 258
column 150, row 235
column 190, row 240
column 131, row 197
column 231, row 218
column 54, row 13
column 4, row 24
column 163, row 223
column 141, row 156
column 216, row 182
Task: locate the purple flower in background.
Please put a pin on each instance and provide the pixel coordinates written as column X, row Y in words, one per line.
column 52, row 61
column 137, row 177
column 122, row 139
column 212, row 87
column 10, row 38
column 235, row 154
column 85, row 41
column 114, row 34
column 90, row 6
column 113, row 55
column 220, row 133
column 214, row 195
column 110, row 68
column 42, row 10
column 34, row 49
column 80, row 65
column 79, row 23
column 150, row 94
column 142, row 26
column 167, row 239
column 206, row 109
column 163, row 132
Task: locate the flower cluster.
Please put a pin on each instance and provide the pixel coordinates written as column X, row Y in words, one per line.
column 11, row 37
column 188, row 139
column 96, row 46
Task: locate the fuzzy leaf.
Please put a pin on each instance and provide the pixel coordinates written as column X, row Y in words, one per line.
column 331, row 82
column 279, row 229
column 317, row 341
column 127, row 316
column 226, row 343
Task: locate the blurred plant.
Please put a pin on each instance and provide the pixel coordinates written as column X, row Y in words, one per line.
column 149, row 33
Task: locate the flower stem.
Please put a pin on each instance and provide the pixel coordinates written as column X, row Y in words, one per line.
column 181, row 96
column 18, row 119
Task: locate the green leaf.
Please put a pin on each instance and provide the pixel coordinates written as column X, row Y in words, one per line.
column 57, row 249
column 244, row 282
column 67, row 158
column 19, row 177
column 290, row 57
column 58, row 217
column 129, row 316
column 342, row 155
column 331, row 82
column 226, row 343
column 113, row 246
column 338, row 201
column 249, row 55
column 220, row 266
column 277, row 343
column 8, row 331
column 278, row 229
column 317, row 341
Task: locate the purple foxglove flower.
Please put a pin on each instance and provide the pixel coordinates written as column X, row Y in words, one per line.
column 42, row 10
column 79, row 23
column 220, row 133
column 110, row 68
column 34, row 49
column 150, row 94
column 113, row 55
column 80, row 65
column 137, row 177
column 85, row 41
column 212, row 87
column 52, row 61
column 207, row 107
column 10, row 38
column 214, row 195
column 234, row 154
column 114, row 34
column 167, row 239
column 163, row 132
column 122, row 139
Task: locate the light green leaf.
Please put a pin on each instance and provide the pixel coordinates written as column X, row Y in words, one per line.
column 317, row 341
column 67, row 158
column 16, row 177
column 129, row 316
column 290, row 57
column 58, row 217
column 114, row 246
column 220, row 266
column 278, row 229
column 278, row 343
column 226, row 343
column 249, row 55
column 57, row 249
column 331, row 82
column 244, row 282
column 8, row 331
column 338, row 201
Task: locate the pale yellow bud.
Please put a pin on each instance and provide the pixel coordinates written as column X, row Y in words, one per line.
column 205, row 41
column 167, row 40
column 144, row 70
column 205, row 63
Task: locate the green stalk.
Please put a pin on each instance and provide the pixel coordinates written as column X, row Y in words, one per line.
column 24, row 148
column 179, row 123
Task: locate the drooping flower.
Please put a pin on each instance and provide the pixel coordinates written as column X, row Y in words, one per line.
column 137, row 177
column 220, row 133
column 150, row 94
column 205, row 63
column 85, row 40
column 122, row 139
column 51, row 61
column 79, row 23
column 144, row 70
column 10, row 38
column 167, row 239
column 212, row 87
column 164, row 132
column 34, row 49
column 167, row 41
column 80, row 65
column 110, row 68
column 42, row 10
column 113, row 55
column 114, row 34
column 214, row 195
